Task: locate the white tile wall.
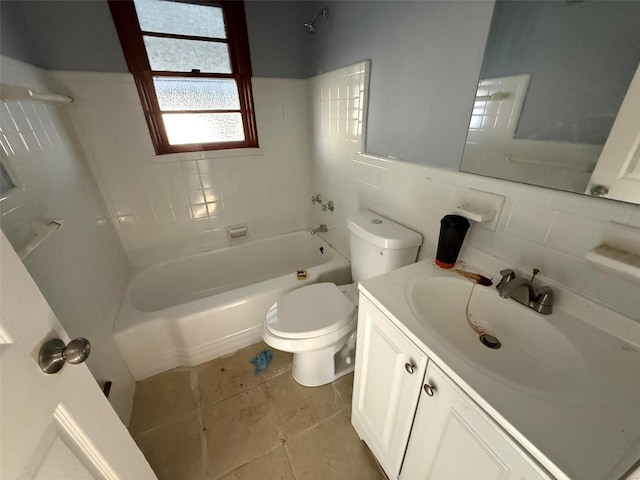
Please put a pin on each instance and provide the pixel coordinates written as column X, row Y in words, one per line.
column 172, row 205
column 81, row 269
column 539, row 227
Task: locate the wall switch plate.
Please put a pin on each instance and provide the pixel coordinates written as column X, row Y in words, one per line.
column 481, row 207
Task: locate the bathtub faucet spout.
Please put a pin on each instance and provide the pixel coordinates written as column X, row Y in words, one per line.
column 321, row 228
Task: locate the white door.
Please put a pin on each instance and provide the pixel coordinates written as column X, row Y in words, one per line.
column 52, row 426
column 618, row 168
column 452, row 438
column 388, row 376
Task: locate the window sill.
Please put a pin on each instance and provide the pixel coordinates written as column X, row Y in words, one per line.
column 207, row 154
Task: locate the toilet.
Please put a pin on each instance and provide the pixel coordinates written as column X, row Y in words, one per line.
column 317, row 323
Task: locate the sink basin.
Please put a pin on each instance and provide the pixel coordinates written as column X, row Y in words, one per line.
column 533, row 354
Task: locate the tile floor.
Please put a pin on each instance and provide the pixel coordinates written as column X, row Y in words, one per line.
column 220, row 421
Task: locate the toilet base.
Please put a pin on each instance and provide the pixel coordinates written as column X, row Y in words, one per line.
column 314, row 369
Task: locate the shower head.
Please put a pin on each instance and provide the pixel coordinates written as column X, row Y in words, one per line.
column 310, row 25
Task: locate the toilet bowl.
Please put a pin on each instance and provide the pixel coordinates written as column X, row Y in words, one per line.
column 317, row 323
column 314, row 323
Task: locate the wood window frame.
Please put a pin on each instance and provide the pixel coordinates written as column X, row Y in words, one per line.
column 131, row 38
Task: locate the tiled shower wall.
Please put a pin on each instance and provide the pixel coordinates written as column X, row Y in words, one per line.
column 81, row 269
column 172, row 205
column 541, row 228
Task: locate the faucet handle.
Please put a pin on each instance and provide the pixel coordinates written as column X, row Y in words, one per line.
column 507, row 276
column 543, row 301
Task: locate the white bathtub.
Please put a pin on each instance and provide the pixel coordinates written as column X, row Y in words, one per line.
column 190, row 310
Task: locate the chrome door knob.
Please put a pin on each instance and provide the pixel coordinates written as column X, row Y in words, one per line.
column 410, row 368
column 53, row 354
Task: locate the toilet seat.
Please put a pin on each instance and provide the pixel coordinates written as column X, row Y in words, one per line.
column 310, row 311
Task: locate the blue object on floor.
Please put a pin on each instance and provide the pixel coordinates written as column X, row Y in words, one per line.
column 262, row 361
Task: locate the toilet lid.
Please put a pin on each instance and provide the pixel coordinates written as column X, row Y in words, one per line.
column 311, row 311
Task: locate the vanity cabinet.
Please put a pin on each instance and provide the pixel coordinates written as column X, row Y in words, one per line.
column 386, row 387
column 418, row 423
column 453, row 438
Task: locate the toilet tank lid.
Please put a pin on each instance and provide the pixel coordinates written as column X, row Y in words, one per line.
column 381, row 231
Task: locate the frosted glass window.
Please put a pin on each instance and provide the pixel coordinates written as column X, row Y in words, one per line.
column 185, row 128
column 176, row 55
column 176, row 93
column 180, row 18
column 179, row 51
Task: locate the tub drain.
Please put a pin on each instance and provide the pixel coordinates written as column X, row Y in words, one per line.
column 490, row 341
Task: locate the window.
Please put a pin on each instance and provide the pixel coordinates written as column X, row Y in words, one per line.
column 190, row 61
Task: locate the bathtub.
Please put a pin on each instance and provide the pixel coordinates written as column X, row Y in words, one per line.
column 190, row 310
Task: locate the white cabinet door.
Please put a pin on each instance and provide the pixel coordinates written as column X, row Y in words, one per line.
column 52, row 426
column 388, row 376
column 452, row 438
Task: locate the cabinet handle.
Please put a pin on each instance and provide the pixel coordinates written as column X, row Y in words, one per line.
column 429, row 390
column 409, row 367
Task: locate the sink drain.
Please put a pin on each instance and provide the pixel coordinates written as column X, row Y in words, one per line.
column 490, row 341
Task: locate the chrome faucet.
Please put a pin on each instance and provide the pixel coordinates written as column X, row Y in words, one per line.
column 321, row 228
column 523, row 291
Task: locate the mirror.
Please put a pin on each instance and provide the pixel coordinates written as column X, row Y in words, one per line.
column 558, row 100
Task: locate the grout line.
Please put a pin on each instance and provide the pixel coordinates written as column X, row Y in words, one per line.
column 231, row 395
column 266, row 379
column 144, row 433
column 336, row 393
column 268, row 376
column 195, row 385
column 347, row 404
column 283, row 441
column 199, row 411
column 279, row 443
column 203, row 444
column 293, row 470
column 311, row 427
column 268, row 452
column 195, row 389
column 243, row 390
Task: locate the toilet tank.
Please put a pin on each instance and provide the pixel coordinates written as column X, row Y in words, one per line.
column 379, row 245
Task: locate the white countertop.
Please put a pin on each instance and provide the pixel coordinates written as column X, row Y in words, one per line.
column 588, row 431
